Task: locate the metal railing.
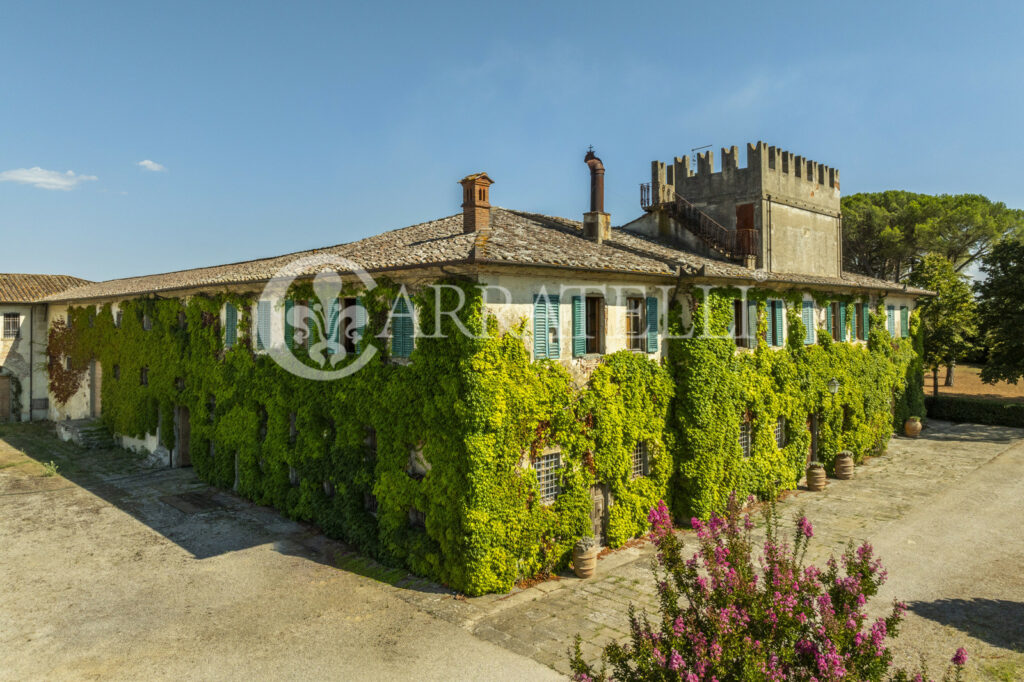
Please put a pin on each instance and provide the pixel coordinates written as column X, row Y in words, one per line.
column 733, row 243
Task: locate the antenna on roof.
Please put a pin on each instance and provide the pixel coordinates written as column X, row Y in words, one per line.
column 693, row 156
column 590, row 147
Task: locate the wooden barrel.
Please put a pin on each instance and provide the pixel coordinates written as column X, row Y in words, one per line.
column 844, row 466
column 815, row 478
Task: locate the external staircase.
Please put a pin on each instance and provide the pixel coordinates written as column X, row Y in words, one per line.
column 735, row 245
column 88, row 433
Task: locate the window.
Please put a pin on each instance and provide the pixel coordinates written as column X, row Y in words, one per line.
column 144, row 376
column 262, row 325
column 904, row 322
column 67, row 363
column 418, row 465
column 117, row 371
column 147, row 322
column 12, row 325
column 230, row 325
column 350, row 325
column 636, row 330
column 587, row 325
column 858, row 321
column 546, row 338
column 780, row 432
column 293, row 429
column 744, row 323
column 834, row 322
column 417, row 519
column 547, row 466
column 640, row 460
column 402, row 328
column 182, row 320
column 211, row 408
column 745, row 433
column 179, row 383
column 890, row 320
column 118, row 317
column 807, row 316
column 812, row 427
column 775, row 330
column 370, row 503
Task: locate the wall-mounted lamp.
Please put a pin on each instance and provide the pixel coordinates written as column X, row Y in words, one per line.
column 833, row 386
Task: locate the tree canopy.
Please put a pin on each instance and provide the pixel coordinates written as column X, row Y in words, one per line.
column 885, row 234
column 1001, row 309
column 950, row 317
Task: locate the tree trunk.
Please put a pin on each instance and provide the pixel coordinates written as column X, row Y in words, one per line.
column 935, row 382
column 949, row 373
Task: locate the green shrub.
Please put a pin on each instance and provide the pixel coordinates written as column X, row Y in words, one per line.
column 975, row 411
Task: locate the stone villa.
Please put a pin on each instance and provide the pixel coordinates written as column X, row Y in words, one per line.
column 581, row 289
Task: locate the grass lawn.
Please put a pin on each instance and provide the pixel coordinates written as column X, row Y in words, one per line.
column 968, row 383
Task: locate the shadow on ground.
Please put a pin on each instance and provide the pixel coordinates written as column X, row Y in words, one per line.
column 998, row 622
column 204, row 521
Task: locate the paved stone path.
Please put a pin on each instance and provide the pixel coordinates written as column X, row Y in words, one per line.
column 912, row 478
column 945, row 513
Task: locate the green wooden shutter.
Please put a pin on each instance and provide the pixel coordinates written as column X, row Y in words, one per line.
column 752, row 323
column 778, row 322
column 402, row 330
column 333, row 330
column 652, row 324
column 890, row 320
column 807, row 315
column 230, row 325
column 540, row 327
column 360, row 325
column 579, row 327
column 554, row 349
column 842, row 322
column 867, row 321
column 262, row 325
column 289, row 329
column 904, row 321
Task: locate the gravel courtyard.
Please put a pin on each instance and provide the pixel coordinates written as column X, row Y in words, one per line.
column 113, row 570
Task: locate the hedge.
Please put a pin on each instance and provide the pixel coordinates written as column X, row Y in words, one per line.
column 975, row 410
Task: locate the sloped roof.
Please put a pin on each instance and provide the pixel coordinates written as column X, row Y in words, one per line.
column 514, row 238
column 26, row 288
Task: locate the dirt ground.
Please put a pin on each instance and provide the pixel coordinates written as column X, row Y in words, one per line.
column 109, row 570
column 967, row 383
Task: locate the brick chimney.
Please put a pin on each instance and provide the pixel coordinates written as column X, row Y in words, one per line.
column 476, row 205
column 597, row 225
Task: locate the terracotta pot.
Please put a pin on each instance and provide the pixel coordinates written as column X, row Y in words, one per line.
column 844, row 465
column 912, row 428
column 584, row 561
column 815, row 478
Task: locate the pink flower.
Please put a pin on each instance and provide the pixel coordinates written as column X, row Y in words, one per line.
column 960, row 657
column 661, row 522
column 805, row 527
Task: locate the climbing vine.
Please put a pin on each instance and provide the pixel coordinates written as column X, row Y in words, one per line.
column 476, row 412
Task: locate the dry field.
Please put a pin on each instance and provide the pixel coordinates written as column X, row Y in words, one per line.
column 968, row 384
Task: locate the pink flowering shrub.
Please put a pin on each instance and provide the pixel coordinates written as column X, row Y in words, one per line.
column 725, row 616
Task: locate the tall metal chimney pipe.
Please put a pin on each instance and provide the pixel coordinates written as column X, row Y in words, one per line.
column 596, row 181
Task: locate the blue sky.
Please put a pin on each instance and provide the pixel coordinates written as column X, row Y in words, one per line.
column 286, row 126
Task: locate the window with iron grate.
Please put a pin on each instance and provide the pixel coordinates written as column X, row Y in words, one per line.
column 547, row 466
column 780, row 432
column 640, row 461
column 745, row 433
column 12, row 325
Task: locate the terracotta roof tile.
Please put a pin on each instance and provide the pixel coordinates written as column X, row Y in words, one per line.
column 23, row 288
column 514, row 237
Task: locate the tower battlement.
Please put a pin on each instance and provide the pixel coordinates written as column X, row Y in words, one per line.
column 789, row 201
column 769, row 168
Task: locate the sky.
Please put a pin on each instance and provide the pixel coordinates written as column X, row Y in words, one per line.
column 143, row 137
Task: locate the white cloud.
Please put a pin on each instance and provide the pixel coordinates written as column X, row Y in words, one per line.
column 45, row 179
column 152, row 165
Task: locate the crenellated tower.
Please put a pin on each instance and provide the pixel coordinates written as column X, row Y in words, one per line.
column 781, row 212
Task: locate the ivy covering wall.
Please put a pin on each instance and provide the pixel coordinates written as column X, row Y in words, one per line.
column 716, row 386
column 340, row 453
